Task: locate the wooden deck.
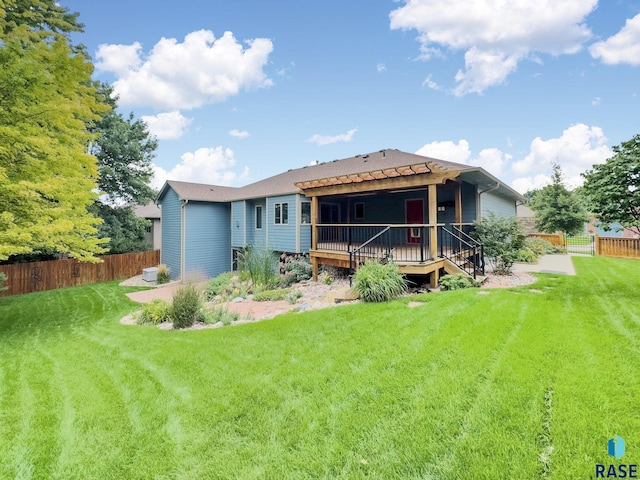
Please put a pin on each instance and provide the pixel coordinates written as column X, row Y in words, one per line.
column 338, row 256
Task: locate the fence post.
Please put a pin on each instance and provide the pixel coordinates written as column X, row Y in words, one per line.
column 596, row 241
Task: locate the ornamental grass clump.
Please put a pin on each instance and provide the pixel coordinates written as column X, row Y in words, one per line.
column 163, row 274
column 378, row 282
column 261, row 264
column 187, row 307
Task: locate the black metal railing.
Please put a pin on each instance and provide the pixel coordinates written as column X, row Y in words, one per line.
column 406, row 243
column 468, row 256
column 463, row 230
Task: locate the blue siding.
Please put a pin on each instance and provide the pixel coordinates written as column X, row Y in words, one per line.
column 502, row 206
column 469, row 210
column 256, row 237
column 208, row 244
column 171, row 231
column 238, row 224
column 282, row 237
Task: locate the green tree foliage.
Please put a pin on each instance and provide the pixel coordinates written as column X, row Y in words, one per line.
column 502, row 237
column 124, row 149
column 612, row 189
column 558, row 209
column 47, row 178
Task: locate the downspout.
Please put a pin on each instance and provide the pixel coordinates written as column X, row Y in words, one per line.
column 479, row 205
column 183, row 248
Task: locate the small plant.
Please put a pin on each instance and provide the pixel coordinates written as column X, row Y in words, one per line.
column 219, row 313
column 155, row 312
column 217, row 286
column 377, row 282
column 457, row 282
column 292, row 297
column 163, row 274
column 326, row 278
column 539, row 246
column 261, row 263
column 187, row 307
column 271, row 295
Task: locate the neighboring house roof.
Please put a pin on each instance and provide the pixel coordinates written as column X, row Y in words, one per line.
column 150, row 210
column 285, row 183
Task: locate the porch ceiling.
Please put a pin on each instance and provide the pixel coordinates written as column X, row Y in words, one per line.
column 415, row 174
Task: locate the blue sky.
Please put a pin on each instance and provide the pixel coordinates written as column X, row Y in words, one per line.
column 240, row 90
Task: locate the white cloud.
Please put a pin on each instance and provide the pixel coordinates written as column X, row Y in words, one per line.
column 206, row 165
column 524, row 184
column 623, row 47
column 495, row 34
column 491, row 159
column 326, row 140
column 201, row 70
column 382, row 67
column 167, row 126
column 428, row 82
column 118, row 59
column 596, row 101
column 577, row 150
column 239, row 134
column 447, row 150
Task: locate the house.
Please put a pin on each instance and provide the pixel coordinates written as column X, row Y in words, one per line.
column 153, row 233
column 386, row 204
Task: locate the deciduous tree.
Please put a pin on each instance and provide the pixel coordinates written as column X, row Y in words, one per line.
column 557, row 208
column 47, row 99
column 612, row 188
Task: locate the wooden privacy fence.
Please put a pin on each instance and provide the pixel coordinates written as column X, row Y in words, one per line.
column 618, row 247
column 39, row 276
column 553, row 238
column 605, row 246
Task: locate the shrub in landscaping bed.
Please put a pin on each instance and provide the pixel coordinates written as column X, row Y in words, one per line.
column 456, row 282
column 219, row 313
column 187, row 307
column 271, row 295
column 155, row 312
column 217, row 286
column 377, row 282
column 295, row 268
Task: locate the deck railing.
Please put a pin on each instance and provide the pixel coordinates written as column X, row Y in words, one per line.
column 399, row 242
column 466, row 253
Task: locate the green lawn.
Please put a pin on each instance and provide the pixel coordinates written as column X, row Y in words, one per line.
column 513, row 384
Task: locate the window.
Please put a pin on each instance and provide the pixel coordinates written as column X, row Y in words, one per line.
column 147, row 229
column 281, row 214
column 258, row 217
column 359, row 213
column 305, row 213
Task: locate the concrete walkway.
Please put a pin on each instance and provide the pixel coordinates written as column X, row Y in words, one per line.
column 559, row 264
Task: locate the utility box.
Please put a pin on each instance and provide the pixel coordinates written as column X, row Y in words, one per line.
column 150, row 274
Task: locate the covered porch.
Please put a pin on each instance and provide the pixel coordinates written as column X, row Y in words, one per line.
column 419, row 216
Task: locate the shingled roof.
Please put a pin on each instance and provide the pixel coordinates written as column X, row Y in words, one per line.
column 285, row 183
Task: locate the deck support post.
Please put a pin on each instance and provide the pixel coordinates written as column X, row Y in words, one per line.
column 433, row 220
column 434, row 278
column 314, row 236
